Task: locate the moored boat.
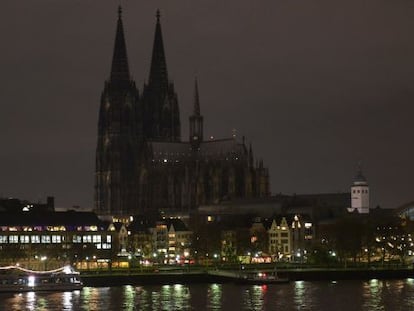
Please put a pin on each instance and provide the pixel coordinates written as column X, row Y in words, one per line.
column 18, row 279
column 250, row 277
column 260, row 278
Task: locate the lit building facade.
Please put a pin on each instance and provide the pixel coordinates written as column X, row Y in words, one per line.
column 55, row 236
column 360, row 194
column 280, row 242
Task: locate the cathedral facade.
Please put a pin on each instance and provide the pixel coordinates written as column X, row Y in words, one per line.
column 142, row 163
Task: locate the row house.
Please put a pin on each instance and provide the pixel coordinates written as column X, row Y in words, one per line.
column 280, row 239
column 163, row 241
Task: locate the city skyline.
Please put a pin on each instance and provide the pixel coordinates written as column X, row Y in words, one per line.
column 291, row 73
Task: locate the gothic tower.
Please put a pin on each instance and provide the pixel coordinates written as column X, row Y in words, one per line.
column 160, row 103
column 196, row 121
column 116, row 152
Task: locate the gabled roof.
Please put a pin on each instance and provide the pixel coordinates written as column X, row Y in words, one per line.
column 177, row 223
column 141, row 224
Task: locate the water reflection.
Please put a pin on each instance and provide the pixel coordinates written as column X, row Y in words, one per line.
column 129, row 297
column 167, row 297
column 214, row 297
column 341, row 295
column 372, row 295
column 31, row 300
column 254, row 297
column 67, row 300
column 299, row 297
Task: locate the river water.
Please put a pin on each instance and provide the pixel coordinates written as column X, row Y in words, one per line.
column 299, row 295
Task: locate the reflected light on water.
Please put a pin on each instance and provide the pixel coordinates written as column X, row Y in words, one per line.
column 214, row 297
column 254, row 298
column 372, row 295
column 343, row 295
column 129, row 297
column 67, row 300
column 171, row 297
column 92, row 295
column 31, row 301
column 299, row 296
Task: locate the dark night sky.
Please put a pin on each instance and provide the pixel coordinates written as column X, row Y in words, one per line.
column 315, row 85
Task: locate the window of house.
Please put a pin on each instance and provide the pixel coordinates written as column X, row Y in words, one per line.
column 35, row 239
column 13, row 239
column 45, row 239
column 87, row 239
column 24, row 239
column 96, row 239
column 77, row 239
column 56, row 239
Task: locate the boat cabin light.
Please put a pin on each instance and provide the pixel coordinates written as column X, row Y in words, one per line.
column 31, row 281
column 68, row 270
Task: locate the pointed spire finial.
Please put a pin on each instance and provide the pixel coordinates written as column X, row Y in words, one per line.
column 158, row 79
column 120, row 68
column 360, row 176
column 119, row 11
column 158, row 15
column 196, row 99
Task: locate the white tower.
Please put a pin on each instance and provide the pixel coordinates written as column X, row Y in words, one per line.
column 360, row 194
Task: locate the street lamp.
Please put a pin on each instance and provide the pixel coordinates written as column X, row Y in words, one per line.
column 44, row 260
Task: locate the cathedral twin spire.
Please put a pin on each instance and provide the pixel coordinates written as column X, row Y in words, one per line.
column 120, row 68
column 158, row 106
column 158, row 79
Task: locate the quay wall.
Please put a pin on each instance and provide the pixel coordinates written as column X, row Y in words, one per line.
column 118, row 279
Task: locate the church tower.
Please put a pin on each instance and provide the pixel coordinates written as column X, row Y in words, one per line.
column 161, row 112
column 196, row 121
column 115, row 180
column 360, row 194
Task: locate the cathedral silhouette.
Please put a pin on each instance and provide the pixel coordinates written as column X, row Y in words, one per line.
column 143, row 166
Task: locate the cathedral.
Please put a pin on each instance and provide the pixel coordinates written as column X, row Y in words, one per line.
column 142, row 163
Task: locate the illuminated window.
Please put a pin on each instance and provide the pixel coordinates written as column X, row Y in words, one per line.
column 13, row 239
column 56, row 239
column 3, row 239
column 24, row 239
column 35, row 239
column 108, row 239
column 106, row 246
column 77, row 239
column 45, row 239
column 96, row 239
column 87, row 239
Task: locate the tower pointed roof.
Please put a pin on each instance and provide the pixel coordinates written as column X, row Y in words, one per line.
column 360, row 178
column 158, row 78
column 196, row 99
column 120, row 68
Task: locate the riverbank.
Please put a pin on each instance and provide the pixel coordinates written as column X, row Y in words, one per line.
column 202, row 276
